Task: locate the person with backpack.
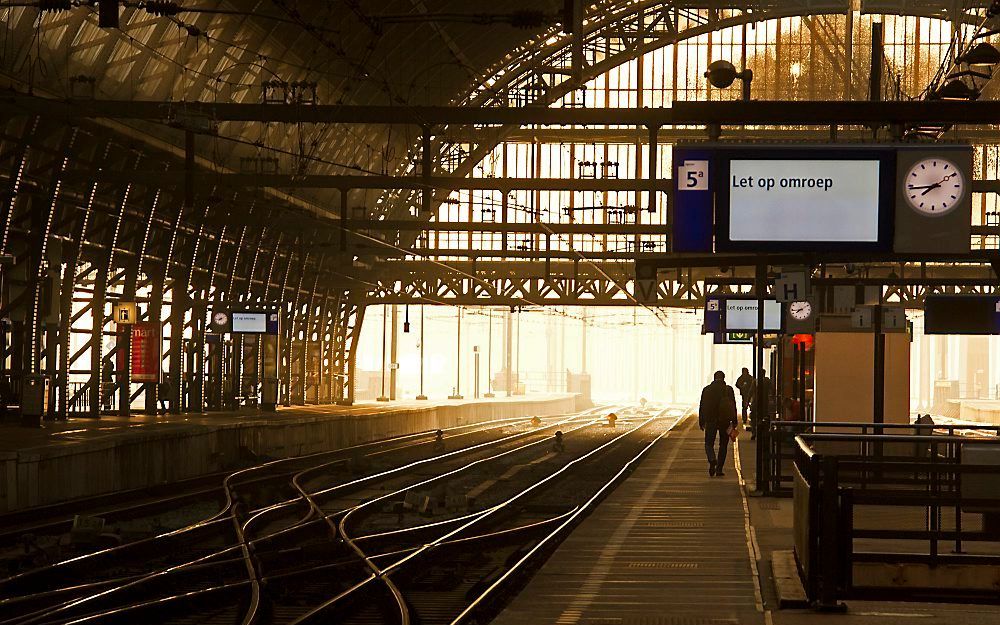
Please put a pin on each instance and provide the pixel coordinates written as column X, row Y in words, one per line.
column 717, row 417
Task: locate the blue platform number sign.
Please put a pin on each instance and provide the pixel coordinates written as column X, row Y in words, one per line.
column 713, row 316
column 692, row 200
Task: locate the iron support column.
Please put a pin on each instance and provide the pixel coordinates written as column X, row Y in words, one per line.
column 760, row 421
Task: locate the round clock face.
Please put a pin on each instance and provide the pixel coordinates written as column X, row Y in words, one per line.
column 934, row 186
column 220, row 318
column 800, row 310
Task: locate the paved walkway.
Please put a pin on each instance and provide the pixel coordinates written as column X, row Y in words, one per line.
column 667, row 547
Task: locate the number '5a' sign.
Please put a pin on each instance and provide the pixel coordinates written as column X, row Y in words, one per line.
column 692, row 176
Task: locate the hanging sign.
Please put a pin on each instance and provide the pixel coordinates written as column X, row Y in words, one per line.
column 125, row 313
column 145, row 351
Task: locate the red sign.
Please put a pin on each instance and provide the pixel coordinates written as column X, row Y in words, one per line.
column 146, row 351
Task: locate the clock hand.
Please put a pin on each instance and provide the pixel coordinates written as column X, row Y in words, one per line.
column 925, row 186
column 931, row 187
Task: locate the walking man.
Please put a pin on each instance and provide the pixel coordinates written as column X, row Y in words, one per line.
column 717, row 417
column 747, row 386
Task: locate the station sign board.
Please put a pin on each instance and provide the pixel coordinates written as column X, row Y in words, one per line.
column 838, row 197
column 145, row 348
column 740, row 315
column 962, row 314
column 254, row 322
column 739, row 338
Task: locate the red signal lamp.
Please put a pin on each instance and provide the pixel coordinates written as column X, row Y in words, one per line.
column 807, row 340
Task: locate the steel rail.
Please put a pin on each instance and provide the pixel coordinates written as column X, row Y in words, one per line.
column 175, row 568
column 558, row 532
column 220, row 518
column 475, row 427
column 383, row 572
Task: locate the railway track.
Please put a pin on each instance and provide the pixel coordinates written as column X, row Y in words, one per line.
column 430, row 527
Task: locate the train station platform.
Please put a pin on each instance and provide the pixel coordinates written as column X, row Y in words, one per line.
column 84, row 457
column 668, row 546
column 673, row 546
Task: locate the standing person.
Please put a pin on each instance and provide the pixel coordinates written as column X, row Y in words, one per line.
column 163, row 392
column 107, row 384
column 766, row 410
column 716, row 417
column 747, row 386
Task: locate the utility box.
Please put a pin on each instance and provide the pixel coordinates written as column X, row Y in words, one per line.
column 269, row 394
column 579, row 383
column 34, row 400
column 982, row 485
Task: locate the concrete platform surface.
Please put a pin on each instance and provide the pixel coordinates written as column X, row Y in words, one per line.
column 84, row 457
column 667, row 547
column 13, row 437
column 672, row 546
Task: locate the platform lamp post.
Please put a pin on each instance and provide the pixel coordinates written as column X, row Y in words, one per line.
column 475, row 355
column 421, row 396
column 382, row 397
column 489, row 355
column 458, row 359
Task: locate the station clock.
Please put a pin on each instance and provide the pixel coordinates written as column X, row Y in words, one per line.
column 800, row 310
column 934, row 186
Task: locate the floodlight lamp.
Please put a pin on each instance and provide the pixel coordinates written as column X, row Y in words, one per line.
column 956, row 90
column 721, row 74
column 983, row 54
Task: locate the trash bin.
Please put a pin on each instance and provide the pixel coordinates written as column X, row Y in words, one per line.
column 34, row 400
column 269, row 394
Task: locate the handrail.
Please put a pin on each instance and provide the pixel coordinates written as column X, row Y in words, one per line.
column 900, row 426
column 779, row 448
column 831, row 488
column 804, row 447
column 897, row 438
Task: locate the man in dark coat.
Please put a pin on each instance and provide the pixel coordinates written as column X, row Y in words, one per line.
column 716, row 416
column 747, row 386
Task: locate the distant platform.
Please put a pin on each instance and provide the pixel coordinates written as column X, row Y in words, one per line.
column 986, row 411
column 83, row 457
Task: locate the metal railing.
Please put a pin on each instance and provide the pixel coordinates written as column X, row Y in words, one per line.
column 78, row 400
column 780, row 445
column 931, row 502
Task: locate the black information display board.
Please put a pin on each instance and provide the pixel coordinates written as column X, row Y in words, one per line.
column 961, row 314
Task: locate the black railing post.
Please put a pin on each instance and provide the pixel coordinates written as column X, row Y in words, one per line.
column 774, row 460
column 846, row 546
column 815, row 513
column 958, row 498
column 829, row 538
